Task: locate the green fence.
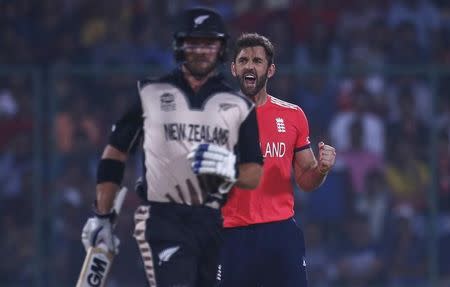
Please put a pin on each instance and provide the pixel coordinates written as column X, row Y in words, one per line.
column 71, row 110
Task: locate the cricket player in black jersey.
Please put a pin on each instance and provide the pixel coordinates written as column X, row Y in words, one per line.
column 199, row 138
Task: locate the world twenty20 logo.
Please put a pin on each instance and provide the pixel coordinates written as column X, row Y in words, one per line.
column 167, row 102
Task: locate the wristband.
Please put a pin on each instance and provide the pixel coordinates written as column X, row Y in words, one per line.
column 111, row 215
column 110, row 170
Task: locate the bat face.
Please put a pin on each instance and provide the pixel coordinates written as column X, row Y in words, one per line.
column 95, row 268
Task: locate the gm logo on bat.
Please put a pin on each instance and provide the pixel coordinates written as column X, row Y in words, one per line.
column 97, row 270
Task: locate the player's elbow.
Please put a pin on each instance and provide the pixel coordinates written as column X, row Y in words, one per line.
column 111, row 152
column 249, row 175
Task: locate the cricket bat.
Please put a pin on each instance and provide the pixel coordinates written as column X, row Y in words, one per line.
column 98, row 260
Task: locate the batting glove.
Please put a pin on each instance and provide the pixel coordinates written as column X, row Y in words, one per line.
column 97, row 232
column 214, row 160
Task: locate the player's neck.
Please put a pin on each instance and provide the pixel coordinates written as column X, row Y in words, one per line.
column 194, row 82
column 261, row 97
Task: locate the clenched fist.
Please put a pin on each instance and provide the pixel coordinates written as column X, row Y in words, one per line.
column 327, row 157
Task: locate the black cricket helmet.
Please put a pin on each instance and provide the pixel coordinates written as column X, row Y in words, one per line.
column 199, row 22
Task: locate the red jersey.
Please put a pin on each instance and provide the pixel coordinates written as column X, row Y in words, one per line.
column 283, row 130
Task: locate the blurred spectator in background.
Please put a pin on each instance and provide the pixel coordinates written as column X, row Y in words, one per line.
column 358, row 159
column 330, row 204
column 444, row 250
column 357, row 15
column 353, row 31
column 443, row 171
column 406, row 49
column 279, row 31
column 379, row 41
column 408, row 177
column 17, row 270
column 422, row 14
column 419, row 89
column 149, row 50
column 304, row 14
column 316, row 95
column 408, row 126
column 360, row 261
column 16, row 165
column 66, row 227
column 318, row 50
column 406, row 252
column 318, row 256
column 355, row 103
column 375, row 202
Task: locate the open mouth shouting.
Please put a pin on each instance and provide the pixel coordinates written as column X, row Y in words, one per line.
column 250, row 80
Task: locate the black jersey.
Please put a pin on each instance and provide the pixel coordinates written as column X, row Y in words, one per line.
column 170, row 118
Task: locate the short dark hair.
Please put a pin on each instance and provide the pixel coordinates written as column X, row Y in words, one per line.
column 247, row 40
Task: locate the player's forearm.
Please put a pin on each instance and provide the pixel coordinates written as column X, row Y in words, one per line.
column 106, row 192
column 109, row 177
column 310, row 172
column 310, row 179
column 249, row 175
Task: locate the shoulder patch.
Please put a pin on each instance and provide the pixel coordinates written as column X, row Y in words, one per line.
column 284, row 104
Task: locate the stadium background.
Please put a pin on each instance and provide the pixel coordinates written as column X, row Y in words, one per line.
column 372, row 76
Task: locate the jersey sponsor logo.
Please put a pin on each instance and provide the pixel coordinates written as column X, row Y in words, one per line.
column 166, row 254
column 200, row 19
column 280, row 125
column 167, row 102
column 274, row 149
column 196, row 133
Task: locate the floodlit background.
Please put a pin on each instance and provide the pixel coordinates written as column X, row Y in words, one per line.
column 373, row 77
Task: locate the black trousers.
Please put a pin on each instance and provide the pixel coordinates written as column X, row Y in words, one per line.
column 179, row 244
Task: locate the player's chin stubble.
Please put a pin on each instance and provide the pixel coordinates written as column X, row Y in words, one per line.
column 198, row 69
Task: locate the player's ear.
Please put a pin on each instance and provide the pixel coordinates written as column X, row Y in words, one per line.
column 271, row 70
column 233, row 69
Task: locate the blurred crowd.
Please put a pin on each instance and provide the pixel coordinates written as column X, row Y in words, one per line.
column 370, row 75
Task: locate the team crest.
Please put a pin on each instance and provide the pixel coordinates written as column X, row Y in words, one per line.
column 280, row 125
column 167, row 102
column 199, row 20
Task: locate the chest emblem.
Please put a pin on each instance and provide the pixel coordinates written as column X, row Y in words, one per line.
column 226, row 106
column 280, row 125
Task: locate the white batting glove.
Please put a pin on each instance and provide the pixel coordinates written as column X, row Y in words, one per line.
column 98, row 232
column 215, row 160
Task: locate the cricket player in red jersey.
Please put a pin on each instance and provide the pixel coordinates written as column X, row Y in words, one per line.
column 263, row 246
